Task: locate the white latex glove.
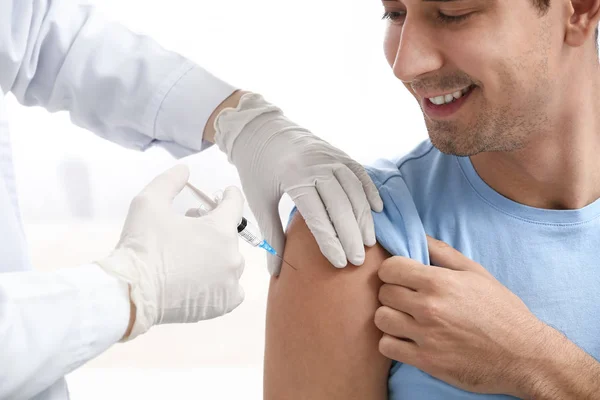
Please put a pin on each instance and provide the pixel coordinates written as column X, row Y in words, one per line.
column 180, row 269
column 273, row 156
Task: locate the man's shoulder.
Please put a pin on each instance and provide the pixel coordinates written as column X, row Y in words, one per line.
column 421, row 165
column 424, row 153
column 408, row 186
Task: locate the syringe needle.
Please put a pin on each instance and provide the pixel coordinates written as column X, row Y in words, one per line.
column 245, row 228
column 282, row 259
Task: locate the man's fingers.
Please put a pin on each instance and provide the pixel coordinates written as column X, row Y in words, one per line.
column 406, row 272
column 313, row 211
column 443, row 255
column 360, row 204
column 368, row 186
column 396, row 323
column 400, row 298
column 342, row 216
column 400, row 350
column 168, row 184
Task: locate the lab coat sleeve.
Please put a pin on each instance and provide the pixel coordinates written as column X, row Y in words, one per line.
column 53, row 322
column 64, row 55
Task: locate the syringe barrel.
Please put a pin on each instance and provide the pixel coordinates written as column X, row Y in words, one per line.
column 249, row 232
column 246, row 230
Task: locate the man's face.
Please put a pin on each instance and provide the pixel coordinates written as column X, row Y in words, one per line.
column 483, row 71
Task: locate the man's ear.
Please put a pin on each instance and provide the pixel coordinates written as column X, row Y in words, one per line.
column 583, row 20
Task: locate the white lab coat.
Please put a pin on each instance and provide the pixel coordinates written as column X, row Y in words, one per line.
column 62, row 55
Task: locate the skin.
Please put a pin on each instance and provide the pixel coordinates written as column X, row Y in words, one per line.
column 530, row 127
column 433, row 57
column 531, row 130
column 427, row 320
column 231, row 102
column 534, row 104
column 321, row 341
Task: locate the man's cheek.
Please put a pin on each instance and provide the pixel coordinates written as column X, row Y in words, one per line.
column 390, row 47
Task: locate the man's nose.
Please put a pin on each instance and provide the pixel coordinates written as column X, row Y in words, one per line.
column 417, row 53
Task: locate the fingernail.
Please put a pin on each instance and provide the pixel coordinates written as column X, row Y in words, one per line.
column 358, row 260
column 378, row 205
column 370, row 240
column 340, row 262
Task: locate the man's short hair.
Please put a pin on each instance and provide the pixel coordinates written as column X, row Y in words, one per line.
column 544, row 5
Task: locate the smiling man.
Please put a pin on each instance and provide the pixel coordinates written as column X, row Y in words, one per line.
column 510, row 178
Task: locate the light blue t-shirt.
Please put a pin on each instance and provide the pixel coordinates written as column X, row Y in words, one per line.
column 549, row 258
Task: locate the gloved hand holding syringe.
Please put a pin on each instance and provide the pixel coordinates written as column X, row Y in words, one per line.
column 246, row 229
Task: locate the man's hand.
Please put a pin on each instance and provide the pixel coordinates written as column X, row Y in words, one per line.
column 457, row 323
column 274, row 156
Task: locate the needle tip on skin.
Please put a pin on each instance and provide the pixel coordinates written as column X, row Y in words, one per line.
column 282, row 259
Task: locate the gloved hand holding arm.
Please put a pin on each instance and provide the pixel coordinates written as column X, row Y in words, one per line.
column 63, row 55
column 122, row 86
column 273, row 155
column 178, row 269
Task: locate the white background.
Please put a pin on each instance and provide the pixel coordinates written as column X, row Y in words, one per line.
column 321, row 61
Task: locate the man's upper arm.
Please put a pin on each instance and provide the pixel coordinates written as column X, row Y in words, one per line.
column 321, row 341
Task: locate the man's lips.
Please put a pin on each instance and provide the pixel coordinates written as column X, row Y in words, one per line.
column 435, row 108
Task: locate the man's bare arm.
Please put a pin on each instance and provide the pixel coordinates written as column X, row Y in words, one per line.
column 567, row 372
column 321, row 341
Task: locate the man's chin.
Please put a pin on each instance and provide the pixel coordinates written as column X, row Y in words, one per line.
column 453, row 145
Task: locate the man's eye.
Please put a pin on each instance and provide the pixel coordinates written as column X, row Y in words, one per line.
column 394, row 16
column 450, row 19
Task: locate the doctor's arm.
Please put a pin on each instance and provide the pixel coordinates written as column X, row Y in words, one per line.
column 166, row 268
column 53, row 322
column 64, row 55
column 321, row 341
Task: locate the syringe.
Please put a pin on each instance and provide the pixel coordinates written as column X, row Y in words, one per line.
column 245, row 228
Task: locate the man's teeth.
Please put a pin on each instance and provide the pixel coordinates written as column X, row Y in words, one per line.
column 449, row 98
